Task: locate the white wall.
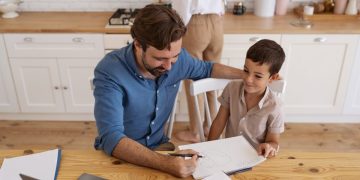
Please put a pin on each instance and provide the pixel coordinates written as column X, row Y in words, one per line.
column 108, row 5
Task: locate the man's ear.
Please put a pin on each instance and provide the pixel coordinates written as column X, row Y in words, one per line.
column 137, row 44
column 274, row 77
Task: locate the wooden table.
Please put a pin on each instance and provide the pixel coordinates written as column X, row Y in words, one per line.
column 287, row 165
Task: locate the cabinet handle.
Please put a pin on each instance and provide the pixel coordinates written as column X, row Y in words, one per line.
column 56, row 87
column 78, row 40
column 28, row 39
column 254, row 39
column 65, row 87
column 320, row 39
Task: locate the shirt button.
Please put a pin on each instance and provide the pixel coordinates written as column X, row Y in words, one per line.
column 157, row 108
column 148, row 137
column 152, row 123
column 157, row 91
column 140, row 77
column 174, row 85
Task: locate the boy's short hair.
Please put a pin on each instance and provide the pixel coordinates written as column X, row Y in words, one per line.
column 268, row 52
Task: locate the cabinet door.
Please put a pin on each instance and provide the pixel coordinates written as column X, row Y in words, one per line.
column 352, row 104
column 37, row 85
column 317, row 72
column 75, row 75
column 8, row 100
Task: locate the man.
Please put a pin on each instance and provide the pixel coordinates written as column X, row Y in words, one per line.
column 135, row 89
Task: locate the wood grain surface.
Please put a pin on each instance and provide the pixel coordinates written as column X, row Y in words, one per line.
column 287, row 165
column 94, row 22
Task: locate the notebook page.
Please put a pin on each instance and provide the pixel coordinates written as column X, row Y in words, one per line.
column 39, row 165
column 225, row 155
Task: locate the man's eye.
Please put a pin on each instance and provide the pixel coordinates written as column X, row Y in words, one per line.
column 246, row 71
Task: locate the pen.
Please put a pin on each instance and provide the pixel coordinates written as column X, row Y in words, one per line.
column 184, row 155
column 26, row 177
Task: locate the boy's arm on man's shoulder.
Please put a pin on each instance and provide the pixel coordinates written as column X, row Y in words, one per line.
column 226, row 72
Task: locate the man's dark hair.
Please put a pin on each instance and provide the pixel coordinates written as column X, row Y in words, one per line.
column 267, row 52
column 157, row 26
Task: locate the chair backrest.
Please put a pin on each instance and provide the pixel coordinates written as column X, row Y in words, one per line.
column 171, row 119
column 278, row 87
column 91, row 79
column 202, row 86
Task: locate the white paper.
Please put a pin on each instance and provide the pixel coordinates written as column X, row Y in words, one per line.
column 218, row 176
column 225, row 155
column 40, row 166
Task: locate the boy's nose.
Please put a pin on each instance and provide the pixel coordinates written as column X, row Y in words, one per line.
column 248, row 79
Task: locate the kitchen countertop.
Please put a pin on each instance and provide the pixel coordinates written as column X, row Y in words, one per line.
column 94, row 22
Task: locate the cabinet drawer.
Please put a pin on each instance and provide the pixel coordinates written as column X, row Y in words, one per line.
column 54, row 45
column 237, row 45
column 116, row 41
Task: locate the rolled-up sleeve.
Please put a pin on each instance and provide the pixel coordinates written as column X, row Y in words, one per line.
column 109, row 112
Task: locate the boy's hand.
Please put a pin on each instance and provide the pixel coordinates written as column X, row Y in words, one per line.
column 267, row 150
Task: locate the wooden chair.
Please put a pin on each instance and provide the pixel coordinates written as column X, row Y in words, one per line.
column 171, row 119
column 202, row 86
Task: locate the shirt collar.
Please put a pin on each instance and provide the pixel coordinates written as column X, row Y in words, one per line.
column 261, row 102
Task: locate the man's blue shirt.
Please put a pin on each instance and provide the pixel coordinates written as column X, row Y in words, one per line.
column 129, row 105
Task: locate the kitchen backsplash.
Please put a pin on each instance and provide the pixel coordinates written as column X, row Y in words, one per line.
column 107, row 5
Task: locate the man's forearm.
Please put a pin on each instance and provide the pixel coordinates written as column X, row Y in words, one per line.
column 135, row 153
column 226, row 72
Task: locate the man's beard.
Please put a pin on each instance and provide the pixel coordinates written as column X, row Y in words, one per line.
column 156, row 71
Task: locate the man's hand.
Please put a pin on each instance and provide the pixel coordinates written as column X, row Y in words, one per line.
column 183, row 167
column 267, row 150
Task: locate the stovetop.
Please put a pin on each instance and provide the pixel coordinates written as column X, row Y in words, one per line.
column 123, row 17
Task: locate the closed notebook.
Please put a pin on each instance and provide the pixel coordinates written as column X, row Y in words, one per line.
column 226, row 155
column 43, row 165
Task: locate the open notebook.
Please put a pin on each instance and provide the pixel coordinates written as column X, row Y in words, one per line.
column 42, row 165
column 227, row 155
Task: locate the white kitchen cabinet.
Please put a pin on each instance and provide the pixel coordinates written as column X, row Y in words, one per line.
column 116, row 41
column 317, row 70
column 55, row 77
column 352, row 103
column 233, row 54
column 8, row 99
column 54, row 85
column 38, row 85
column 74, row 75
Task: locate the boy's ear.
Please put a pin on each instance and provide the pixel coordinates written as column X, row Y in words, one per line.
column 274, row 77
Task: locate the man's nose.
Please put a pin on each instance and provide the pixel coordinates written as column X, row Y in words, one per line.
column 167, row 64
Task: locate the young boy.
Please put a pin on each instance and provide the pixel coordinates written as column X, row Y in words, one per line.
column 249, row 107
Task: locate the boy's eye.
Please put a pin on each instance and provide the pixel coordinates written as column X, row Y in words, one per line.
column 245, row 70
column 259, row 77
